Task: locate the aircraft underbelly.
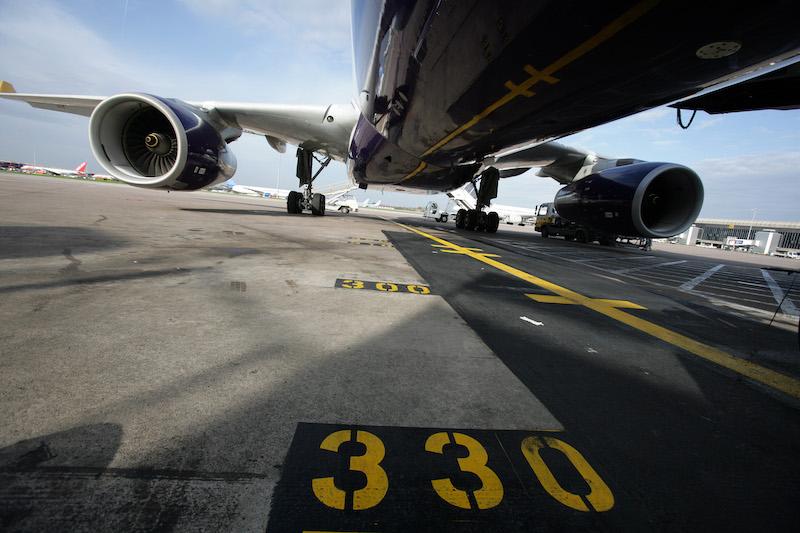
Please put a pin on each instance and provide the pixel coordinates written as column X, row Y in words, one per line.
column 448, row 83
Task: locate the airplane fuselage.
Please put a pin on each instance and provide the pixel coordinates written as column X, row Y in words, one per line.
column 443, row 84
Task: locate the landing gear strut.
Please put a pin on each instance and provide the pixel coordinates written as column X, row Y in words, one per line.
column 297, row 202
column 477, row 219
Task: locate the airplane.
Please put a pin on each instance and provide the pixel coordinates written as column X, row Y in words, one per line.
column 252, row 190
column 79, row 171
column 450, row 93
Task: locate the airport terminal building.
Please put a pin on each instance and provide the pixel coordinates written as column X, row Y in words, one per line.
column 716, row 231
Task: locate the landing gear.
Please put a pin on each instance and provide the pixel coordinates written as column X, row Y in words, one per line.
column 477, row 219
column 297, row 202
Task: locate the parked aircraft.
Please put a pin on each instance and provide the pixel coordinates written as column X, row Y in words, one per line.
column 457, row 92
column 79, row 171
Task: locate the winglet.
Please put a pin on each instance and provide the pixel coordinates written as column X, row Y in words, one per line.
column 6, row 87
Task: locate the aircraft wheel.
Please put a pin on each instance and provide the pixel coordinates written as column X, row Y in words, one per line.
column 344, row 209
column 318, row 204
column 483, row 220
column 294, row 203
column 444, row 218
column 471, row 220
column 492, row 222
column 461, row 218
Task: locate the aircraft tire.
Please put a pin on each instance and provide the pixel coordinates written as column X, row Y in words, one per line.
column 344, row 210
column 293, row 203
column 482, row 221
column 461, row 218
column 471, row 221
column 318, row 204
column 492, row 222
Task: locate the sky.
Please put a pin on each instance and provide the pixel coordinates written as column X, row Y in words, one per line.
column 299, row 52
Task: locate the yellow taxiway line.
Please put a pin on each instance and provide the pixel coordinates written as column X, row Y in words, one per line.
column 612, row 309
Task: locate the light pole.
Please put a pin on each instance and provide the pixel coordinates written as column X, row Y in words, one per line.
column 753, row 219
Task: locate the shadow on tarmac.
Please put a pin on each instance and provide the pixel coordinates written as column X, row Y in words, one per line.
column 46, row 241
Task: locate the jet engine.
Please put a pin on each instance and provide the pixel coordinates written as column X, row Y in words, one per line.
column 655, row 200
column 155, row 142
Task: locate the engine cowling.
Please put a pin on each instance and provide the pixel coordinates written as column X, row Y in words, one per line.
column 154, row 142
column 655, row 200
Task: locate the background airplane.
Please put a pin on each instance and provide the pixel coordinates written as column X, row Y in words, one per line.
column 79, row 171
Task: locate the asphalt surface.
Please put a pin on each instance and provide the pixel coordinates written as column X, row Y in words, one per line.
column 205, row 361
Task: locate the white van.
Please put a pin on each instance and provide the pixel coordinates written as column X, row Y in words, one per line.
column 432, row 210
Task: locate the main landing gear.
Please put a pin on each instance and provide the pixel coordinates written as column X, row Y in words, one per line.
column 297, row 202
column 477, row 219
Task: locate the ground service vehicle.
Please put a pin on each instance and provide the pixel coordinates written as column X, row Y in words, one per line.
column 550, row 223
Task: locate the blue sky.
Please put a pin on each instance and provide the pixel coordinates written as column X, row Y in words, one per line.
column 298, row 51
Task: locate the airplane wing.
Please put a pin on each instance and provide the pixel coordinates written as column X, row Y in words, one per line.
column 320, row 128
column 139, row 137
column 78, row 105
column 777, row 89
column 555, row 160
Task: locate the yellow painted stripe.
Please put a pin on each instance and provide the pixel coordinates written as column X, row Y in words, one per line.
column 414, row 172
column 765, row 376
column 522, row 89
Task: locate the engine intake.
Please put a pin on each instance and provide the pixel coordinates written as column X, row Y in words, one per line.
column 148, row 141
column 655, row 200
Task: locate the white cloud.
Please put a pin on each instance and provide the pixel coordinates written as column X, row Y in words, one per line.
column 750, row 166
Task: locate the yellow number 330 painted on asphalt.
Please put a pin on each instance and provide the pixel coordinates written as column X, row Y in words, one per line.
column 377, row 482
column 491, row 492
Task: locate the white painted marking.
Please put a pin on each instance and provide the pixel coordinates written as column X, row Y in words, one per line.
column 590, row 349
column 648, row 266
column 692, row 283
column 787, row 307
column 624, row 258
column 535, row 323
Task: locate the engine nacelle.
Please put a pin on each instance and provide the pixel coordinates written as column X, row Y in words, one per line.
column 155, row 142
column 655, row 200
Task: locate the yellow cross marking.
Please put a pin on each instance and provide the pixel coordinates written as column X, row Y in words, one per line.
column 612, row 309
column 546, row 74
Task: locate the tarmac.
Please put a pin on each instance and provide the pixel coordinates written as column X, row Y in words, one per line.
column 205, row 361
